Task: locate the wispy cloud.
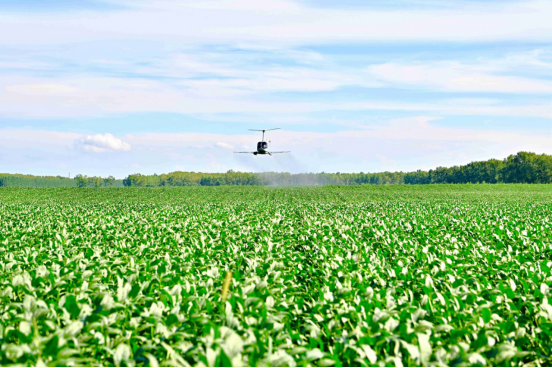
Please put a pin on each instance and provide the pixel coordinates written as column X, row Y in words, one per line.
column 455, row 76
column 231, row 88
column 225, row 145
column 100, row 96
column 315, row 63
column 284, row 22
column 243, row 58
column 41, row 89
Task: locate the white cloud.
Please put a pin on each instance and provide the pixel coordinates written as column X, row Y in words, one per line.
column 191, row 76
column 226, row 74
column 224, row 145
column 455, row 76
column 100, row 96
column 50, row 89
column 257, row 58
column 283, row 22
column 100, row 143
column 13, row 139
column 216, row 82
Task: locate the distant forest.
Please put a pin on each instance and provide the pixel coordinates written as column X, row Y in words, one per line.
column 20, row 180
column 524, row 167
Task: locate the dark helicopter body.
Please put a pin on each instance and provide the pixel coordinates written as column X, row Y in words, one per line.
column 262, row 146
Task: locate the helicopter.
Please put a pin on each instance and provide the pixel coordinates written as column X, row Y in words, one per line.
column 262, row 146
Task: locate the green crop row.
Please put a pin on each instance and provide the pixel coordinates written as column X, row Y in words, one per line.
column 327, row 276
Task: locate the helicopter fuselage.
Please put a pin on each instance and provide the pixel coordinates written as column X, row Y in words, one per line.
column 262, row 148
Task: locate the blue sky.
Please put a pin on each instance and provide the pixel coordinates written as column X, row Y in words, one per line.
column 115, row 87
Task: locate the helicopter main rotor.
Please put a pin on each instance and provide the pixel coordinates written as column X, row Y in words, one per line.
column 263, row 130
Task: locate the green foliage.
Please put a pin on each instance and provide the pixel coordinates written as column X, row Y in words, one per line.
column 521, row 168
column 179, row 179
column 83, row 181
column 19, row 180
column 329, row 276
column 524, row 167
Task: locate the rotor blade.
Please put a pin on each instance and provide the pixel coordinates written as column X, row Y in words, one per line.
column 244, row 152
column 281, row 152
column 263, row 130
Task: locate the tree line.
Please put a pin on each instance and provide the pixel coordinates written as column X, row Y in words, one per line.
column 83, row 181
column 21, row 180
column 181, row 178
column 523, row 167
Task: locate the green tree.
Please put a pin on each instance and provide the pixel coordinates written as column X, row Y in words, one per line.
column 109, row 181
column 81, row 180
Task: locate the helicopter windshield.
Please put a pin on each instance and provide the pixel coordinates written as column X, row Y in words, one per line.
column 262, row 145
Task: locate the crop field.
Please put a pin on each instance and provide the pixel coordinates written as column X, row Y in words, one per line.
column 442, row 275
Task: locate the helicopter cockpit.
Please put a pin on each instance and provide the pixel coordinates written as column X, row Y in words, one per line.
column 262, row 145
